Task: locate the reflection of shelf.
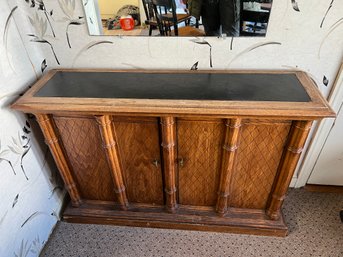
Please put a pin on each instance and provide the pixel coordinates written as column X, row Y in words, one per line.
column 254, row 27
column 254, row 23
column 118, row 32
column 254, row 16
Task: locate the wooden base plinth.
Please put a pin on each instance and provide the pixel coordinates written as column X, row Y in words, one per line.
column 247, row 221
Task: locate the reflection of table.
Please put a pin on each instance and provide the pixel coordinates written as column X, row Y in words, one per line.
column 266, row 6
column 184, row 150
column 118, row 32
column 255, row 6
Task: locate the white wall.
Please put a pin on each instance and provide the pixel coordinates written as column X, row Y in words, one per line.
column 328, row 169
column 108, row 8
column 327, row 152
column 28, row 199
column 294, row 40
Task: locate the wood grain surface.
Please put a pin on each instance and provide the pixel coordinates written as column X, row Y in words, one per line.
column 109, row 142
column 61, row 159
column 199, row 153
column 258, row 157
column 82, row 142
column 229, row 152
column 138, row 143
column 168, row 144
column 291, row 154
column 207, row 165
column 315, row 109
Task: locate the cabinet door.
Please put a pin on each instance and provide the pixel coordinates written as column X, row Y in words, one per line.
column 257, row 160
column 82, row 142
column 199, row 158
column 138, row 143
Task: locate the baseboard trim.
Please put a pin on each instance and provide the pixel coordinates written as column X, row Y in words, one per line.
column 324, row 188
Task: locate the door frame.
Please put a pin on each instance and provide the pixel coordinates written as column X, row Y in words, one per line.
column 321, row 132
column 91, row 9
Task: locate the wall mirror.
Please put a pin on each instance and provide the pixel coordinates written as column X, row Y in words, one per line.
column 177, row 17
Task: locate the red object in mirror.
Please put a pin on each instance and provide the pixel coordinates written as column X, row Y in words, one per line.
column 127, row 22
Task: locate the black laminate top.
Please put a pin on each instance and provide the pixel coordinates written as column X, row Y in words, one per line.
column 182, row 86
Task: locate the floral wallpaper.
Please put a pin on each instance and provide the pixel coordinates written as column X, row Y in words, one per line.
column 30, row 189
column 37, row 35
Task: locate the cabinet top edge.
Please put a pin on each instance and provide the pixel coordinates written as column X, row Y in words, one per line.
column 317, row 107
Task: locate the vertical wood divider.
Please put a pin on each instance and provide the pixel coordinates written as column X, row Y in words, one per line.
column 108, row 136
column 230, row 146
column 168, row 132
column 51, row 139
column 288, row 163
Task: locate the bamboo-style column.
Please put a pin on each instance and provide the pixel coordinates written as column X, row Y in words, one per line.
column 227, row 166
column 51, row 139
column 168, row 129
column 109, row 143
column 288, row 163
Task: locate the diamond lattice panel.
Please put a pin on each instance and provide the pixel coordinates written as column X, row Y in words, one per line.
column 258, row 156
column 138, row 143
column 200, row 148
column 82, row 142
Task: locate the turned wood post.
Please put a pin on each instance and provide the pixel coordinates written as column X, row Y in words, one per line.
column 288, row 163
column 51, row 139
column 109, row 143
column 228, row 158
column 168, row 129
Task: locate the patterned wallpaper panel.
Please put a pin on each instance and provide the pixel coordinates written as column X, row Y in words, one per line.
column 305, row 35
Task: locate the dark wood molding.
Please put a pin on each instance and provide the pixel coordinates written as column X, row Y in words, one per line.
column 228, row 158
column 245, row 221
column 291, row 155
column 324, row 188
column 168, row 133
column 315, row 109
column 109, row 143
column 51, row 139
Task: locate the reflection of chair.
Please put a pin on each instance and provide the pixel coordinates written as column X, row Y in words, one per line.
column 150, row 17
column 168, row 20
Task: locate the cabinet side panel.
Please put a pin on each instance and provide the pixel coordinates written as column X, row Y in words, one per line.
column 199, row 154
column 258, row 157
column 82, row 142
column 138, row 142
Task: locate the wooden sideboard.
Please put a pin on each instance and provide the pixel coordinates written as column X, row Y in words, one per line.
column 203, row 150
